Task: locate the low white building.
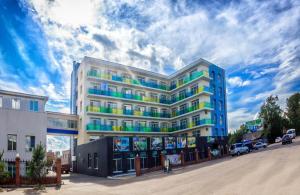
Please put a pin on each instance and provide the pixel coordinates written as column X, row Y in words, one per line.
column 23, row 125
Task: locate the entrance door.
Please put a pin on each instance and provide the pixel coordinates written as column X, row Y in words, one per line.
column 117, row 165
column 130, row 164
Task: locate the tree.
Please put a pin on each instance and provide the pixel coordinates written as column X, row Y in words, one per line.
column 293, row 111
column 271, row 112
column 37, row 165
column 237, row 136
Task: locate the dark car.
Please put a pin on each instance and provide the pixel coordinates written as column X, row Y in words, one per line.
column 286, row 139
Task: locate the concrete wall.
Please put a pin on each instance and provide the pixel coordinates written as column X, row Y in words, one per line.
column 21, row 123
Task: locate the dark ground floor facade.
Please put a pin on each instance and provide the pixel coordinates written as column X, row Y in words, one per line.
column 110, row 156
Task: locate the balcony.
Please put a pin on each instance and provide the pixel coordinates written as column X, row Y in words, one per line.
column 117, row 111
column 117, row 78
column 101, row 109
column 109, row 128
column 147, row 99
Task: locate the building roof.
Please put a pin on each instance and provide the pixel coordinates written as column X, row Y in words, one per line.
column 108, row 63
column 26, row 95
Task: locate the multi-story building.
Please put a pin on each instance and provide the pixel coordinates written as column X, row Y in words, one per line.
column 114, row 100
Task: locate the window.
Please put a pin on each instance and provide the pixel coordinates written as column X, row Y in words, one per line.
column 163, row 98
column 95, row 161
column 163, row 85
column 126, row 76
column 141, row 79
column 182, row 94
column 196, row 133
column 111, row 105
column 174, row 112
column 72, row 124
column 154, row 126
column 112, row 88
column 173, row 97
column 221, row 120
column 182, row 108
column 153, row 82
column 0, row 102
column 95, row 103
column 154, row 97
column 180, row 81
column 34, row 106
column 196, row 120
column 112, row 122
column 11, row 142
column 127, row 109
column 216, row 119
column 112, row 73
column 140, row 93
column 195, row 104
column 127, row 91
column 141, row 108
column 164, row 112
column 174, row 125
column 30, row 143
column 213, row 75
column 219, row 77
column 220, row 91
column 96, row 121
column 192, row 73
column 194, row 89
column 89, row 161
column 183, row 123
column 15, row 104
column 220, row 105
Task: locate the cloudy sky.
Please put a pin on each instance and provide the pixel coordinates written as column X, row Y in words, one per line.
column 256, row 42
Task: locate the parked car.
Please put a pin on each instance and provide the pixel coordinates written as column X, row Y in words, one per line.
column 259, row 145
column 278, row 139
column 286, row 139
column 249, row 144
column 291, row 133
column 238, row 149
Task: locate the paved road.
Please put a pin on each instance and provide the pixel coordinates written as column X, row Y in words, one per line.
column 275, row 170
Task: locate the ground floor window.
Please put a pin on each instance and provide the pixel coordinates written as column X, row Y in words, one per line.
column 117, row 165
column 11, row 168
column 130, row 164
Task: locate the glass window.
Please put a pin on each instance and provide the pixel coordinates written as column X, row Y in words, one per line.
column 220, row 91
column 15, row 104
column 196, row 120
column 221, row 120
column 141, row 108
column 220, row 105
column 174, row 112
column 95, row 103
column 182, row 108
column 112, row 73
column 196, row 133
column 127, row 91
column 112, row 122
column 11, row 142
column 141, row 79
column 174, row 125
column 89, row 161
column 153, row 81
column 182, row 94
column 180, row 81
column 183, row 123
column 34, row 106
column 193, row 72
column 195, row 104
column 219, row 77
column 112, row 88
column 111, row 105
column 194, row 89
column 154, row 96
column 96, row 121
column 163, row 85
column 140, row 93
column 95, row 160
column 126, row 76
column 30, row 143
column 0, row 102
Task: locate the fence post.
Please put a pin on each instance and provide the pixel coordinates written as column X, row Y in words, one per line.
column 58, row 171
column 137, row 165
column 197, row 155
column 208, row 153
column 182, row 157
column 18, row 179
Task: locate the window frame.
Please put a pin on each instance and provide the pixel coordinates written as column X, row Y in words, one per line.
column 13, row 146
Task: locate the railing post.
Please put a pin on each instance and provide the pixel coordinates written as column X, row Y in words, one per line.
column 182, row 158
column 58, row 171
column 208, row 153
column 197, row 155
column 137, row 165
column 18, row 179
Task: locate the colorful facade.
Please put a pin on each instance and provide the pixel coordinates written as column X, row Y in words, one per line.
column 115, row 100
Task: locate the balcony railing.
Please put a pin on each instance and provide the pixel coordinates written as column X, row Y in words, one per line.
column 185, row 80
column 102, row 127
column 147, row 99
column 101, row 109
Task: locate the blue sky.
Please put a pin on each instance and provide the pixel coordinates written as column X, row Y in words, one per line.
column 256, row 42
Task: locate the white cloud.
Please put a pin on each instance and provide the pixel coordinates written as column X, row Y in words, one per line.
column 238, row 82
column 246, row 34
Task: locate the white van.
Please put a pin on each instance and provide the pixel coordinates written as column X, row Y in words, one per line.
column 291, row 133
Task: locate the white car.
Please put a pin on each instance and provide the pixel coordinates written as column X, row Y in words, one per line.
column 291, row 133
column 278, row 139
column 259, row 145
column 238, row 149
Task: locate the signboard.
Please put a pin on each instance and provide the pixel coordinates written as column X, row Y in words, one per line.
column 121, row 144
column 170, row 143
column 254, row 125
column 174, row 159
column 191, row 142
column 156, row 143
column 139, row 143
column 181, row 142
